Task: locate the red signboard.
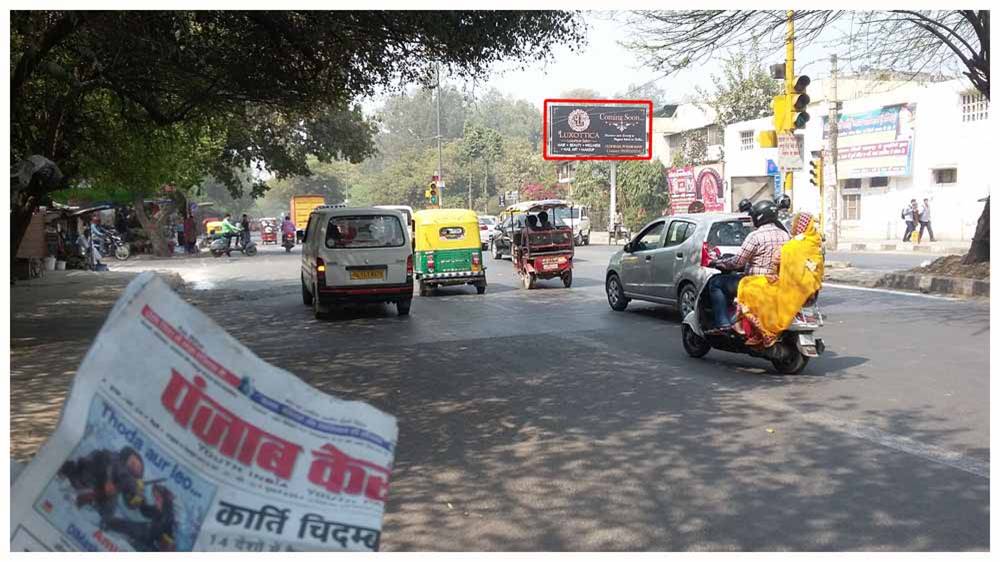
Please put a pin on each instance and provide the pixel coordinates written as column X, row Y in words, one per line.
column 581, row 129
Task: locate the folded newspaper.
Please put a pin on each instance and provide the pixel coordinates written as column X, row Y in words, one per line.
column 176, row 437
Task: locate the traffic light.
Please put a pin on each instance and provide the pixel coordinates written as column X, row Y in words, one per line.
column 797, row 102
column 780, row 107
column 816, row 171
column 432, row 193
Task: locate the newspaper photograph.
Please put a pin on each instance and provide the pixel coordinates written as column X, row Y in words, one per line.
column 175, row 437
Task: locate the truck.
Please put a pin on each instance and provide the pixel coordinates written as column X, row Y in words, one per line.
column 300, row 208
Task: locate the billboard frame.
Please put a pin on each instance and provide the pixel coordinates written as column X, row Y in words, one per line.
column 545, row 128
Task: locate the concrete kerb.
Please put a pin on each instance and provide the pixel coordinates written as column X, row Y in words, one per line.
column 939, row 284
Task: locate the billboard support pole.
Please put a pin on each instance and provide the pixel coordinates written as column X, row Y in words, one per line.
column 612, row 208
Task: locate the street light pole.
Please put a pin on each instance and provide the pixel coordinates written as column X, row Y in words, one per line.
column 789, row 90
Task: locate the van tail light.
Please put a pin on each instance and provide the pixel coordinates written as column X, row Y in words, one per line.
column 708, row 253
column 409, row 265
column 320, row 272
column 430, row 261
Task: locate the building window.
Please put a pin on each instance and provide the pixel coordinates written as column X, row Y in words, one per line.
column 975, row 107
column 946, row 175
column 746, row 140
column 854, row 183
column 852, row 206
column 714, row 134
column 880, row 181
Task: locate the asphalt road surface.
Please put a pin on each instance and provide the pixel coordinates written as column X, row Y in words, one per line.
column 543, row 420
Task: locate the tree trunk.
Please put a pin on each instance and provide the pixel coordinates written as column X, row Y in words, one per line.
column 21, row 209
column 979, row 251
column 153, row 227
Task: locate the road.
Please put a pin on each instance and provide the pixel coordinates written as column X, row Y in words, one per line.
column 543, row 420
column 880, row 261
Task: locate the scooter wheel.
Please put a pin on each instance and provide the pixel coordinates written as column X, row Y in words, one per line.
column 695, row 345
column 792, row 361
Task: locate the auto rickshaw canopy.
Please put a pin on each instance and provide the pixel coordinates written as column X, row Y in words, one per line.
column 446, row 229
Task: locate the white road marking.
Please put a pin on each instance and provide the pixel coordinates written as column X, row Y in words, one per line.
column 889, row 291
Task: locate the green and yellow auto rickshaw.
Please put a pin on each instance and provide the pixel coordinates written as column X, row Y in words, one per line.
column 447, row 249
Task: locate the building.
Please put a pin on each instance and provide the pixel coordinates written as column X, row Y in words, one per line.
column 897, row 141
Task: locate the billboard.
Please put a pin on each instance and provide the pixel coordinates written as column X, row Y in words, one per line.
column 696, row 189
column 576, row 129
column 875, row 143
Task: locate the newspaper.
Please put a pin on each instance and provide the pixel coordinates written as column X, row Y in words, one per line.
column 176, row 437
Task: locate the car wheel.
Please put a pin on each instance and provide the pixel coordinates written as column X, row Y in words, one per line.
column 695, row 345
column 586, row 240
column 496, row 252
column 616, row 294
column 578, row 240
column 686, row 299
column 403, row 307
column 307, row 298
column 319, row 310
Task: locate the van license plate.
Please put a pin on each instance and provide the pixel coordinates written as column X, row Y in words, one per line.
column 367, row 274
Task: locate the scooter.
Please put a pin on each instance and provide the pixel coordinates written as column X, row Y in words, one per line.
column 288, row 241
column 218, row 247
column 791, row 351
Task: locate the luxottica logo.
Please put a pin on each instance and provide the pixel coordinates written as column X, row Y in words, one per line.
column 578, row 120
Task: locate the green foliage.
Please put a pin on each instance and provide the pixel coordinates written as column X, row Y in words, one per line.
column 744, row 90
column 642, row 191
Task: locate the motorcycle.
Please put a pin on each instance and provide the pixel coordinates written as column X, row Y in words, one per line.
column 791, row 351
column 220, row 246
column 288, row 241
column 114, row 245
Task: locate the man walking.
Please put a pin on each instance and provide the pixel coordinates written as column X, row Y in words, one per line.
column 910, row 215
column 925, row 221
column 245, row 225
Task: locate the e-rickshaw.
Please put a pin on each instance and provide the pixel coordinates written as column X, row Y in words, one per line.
column 542, row 246
column 268, row 230
column 447, row 250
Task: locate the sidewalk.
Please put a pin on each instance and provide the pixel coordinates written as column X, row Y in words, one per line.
column 940, row 247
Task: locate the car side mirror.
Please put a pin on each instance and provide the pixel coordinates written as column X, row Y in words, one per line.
column 628, row 248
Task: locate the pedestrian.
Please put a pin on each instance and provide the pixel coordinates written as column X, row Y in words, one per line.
column 925, row 221
column 910, row 214
column 245, row 225
column 190, row 234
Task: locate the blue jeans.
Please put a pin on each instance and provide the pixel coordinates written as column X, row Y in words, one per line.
column 722, row 290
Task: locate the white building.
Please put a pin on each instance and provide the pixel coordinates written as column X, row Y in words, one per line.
column 900, row 142
column 677, row 122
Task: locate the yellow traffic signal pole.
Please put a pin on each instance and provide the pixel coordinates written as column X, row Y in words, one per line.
column 789, row 90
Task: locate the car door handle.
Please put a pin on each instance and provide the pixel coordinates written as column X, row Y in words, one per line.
column 680, row 255
column 649, row 258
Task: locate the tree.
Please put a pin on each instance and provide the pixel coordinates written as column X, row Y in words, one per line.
column 581, row 94
column 649, row 91
column 537, row 191
column 743, row 92
column 283, row 83
column 592, row 187
column 694, row 150
column 642, row 189
column 902, row 41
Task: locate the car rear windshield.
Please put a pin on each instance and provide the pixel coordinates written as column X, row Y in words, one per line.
column 487, row 220
column 729, row 233
column 365, row 231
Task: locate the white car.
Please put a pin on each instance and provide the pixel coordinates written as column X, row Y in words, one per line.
column 356, row 255
column 487, row 229
column 578, row 218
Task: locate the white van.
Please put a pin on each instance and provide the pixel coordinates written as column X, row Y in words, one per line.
column 356, row 255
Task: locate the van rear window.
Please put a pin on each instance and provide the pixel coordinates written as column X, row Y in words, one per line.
column 365, row 231
column 729, row 233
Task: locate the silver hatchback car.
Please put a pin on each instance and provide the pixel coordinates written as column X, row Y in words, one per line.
column 663, row 262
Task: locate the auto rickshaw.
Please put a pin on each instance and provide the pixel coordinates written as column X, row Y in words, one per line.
column 542, row 246
column 447, row 250
column 268, row 230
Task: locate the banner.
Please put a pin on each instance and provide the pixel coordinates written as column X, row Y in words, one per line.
column 598, row 130
column 696, row 189
column 175, row 437
column 875, row 143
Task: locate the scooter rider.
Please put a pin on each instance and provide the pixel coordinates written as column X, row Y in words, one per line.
column 229, row 231
column 287, row 226
column 757, row 256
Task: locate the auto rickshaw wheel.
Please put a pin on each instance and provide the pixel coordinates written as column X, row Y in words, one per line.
column 528, row 280
column 567, row 279
column 426, row 290
column 481, row 288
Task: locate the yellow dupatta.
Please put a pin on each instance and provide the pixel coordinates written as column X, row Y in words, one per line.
column 770, row 304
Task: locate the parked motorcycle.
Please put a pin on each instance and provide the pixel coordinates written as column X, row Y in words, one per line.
column 218, row 247
column 288, row 241
column 790, row 353
column 114, row 245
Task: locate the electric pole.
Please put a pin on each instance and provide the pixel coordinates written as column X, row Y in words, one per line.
column 437, row 69
column 832, row 134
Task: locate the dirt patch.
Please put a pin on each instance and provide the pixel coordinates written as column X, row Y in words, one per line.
column 952, row 266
